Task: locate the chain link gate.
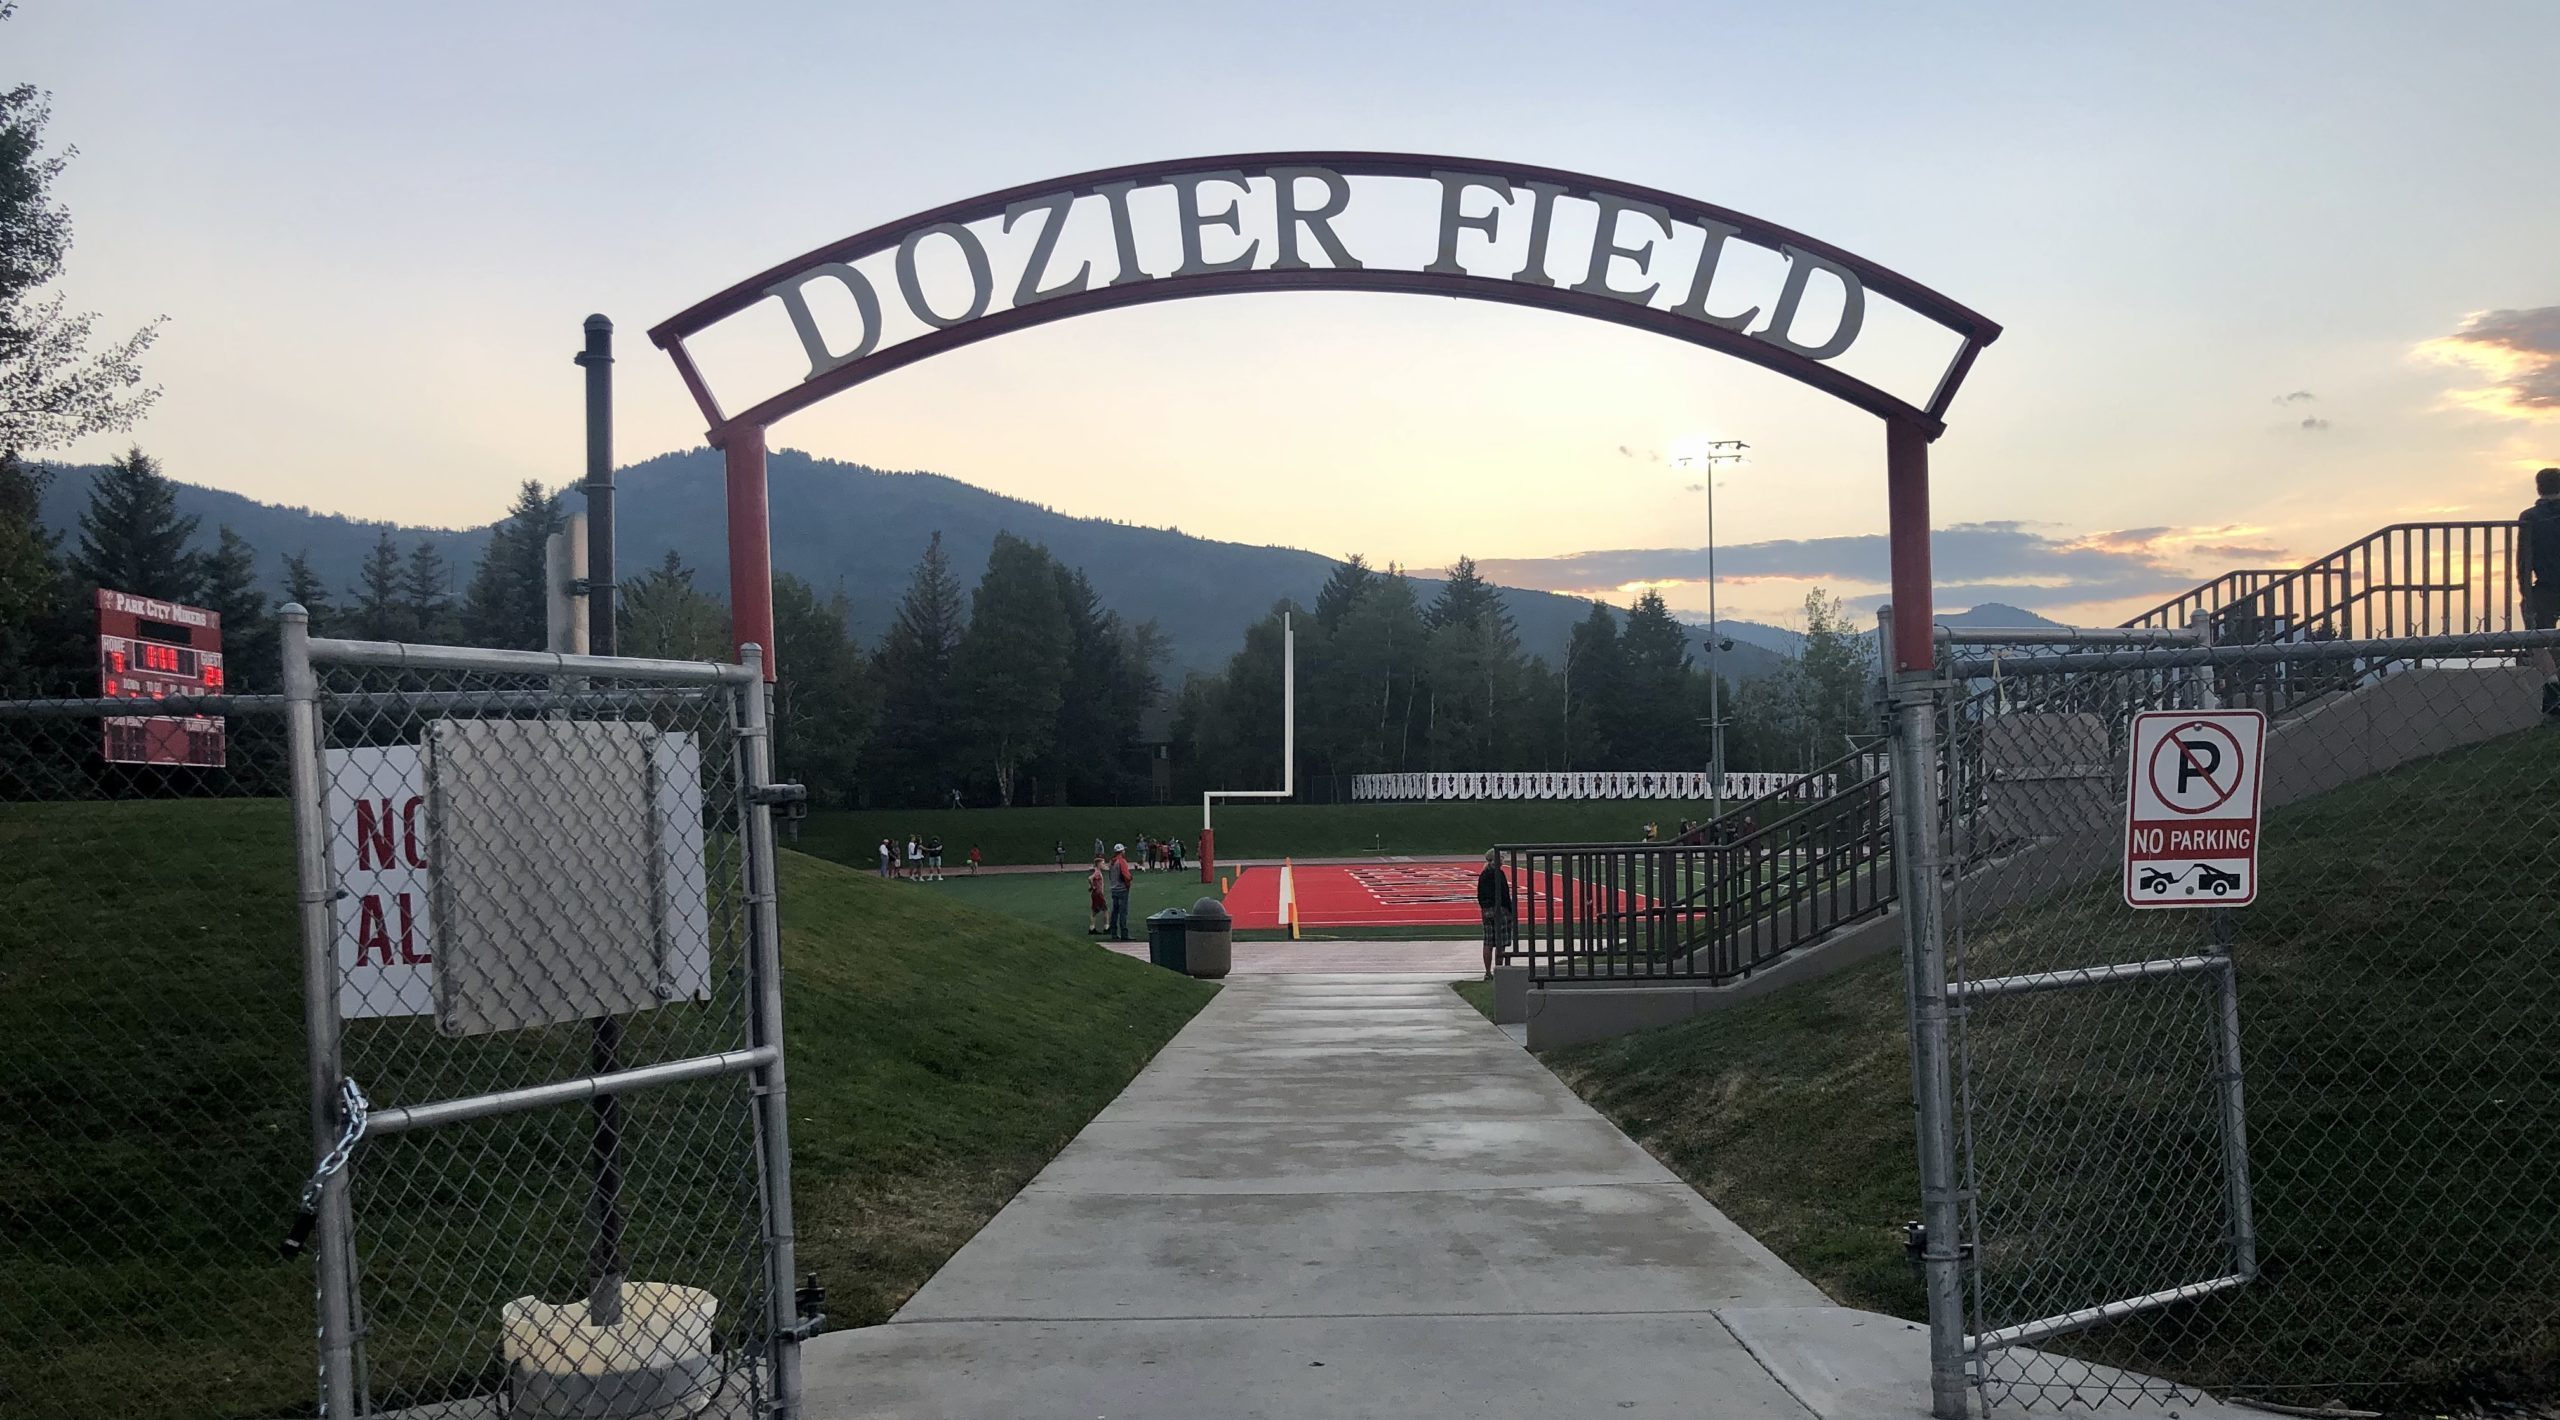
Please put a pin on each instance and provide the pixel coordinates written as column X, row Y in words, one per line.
column 543, row 998
column 2303, row 1150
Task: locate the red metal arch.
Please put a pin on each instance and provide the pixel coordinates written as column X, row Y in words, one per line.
column 1909, row 427
column 1973, row 329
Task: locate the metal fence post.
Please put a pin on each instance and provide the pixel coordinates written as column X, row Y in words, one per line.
column 2229, row 1094
column 334, row 1256
column 773, row 1114
column 1916, row 851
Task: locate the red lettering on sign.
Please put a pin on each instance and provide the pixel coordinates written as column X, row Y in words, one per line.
column 409, row 848
column 373, row 835
column 372, row 931
column 409, row 952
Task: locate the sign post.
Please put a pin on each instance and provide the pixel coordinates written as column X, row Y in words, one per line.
column 2191, row 808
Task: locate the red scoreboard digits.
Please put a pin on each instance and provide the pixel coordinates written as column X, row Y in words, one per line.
column 148, row 650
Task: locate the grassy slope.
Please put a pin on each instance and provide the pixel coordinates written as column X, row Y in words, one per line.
column 2381, row 987
column 151, row 1081
column 1029, row 835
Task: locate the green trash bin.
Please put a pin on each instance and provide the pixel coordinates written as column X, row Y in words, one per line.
column 1165, row 938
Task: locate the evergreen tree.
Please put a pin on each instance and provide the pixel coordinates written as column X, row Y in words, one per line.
column 1594, row 678
column 380, row 613
column 39, row 651
column 824, row 706
column 1653, row 725
column 303, row 585
column 1011, row 665
column 665, row 617
column 1468, row 598
column 1110, row 684
column 917, row 751
column 507, row 604
column 249, row 652
column 426, row 591
column 1343, row 590
column 131, row 537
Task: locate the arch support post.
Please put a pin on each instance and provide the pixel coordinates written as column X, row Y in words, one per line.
column 1919, row 865
column 750, row 545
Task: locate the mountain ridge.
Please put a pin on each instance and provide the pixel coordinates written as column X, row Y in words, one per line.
column 845, row 525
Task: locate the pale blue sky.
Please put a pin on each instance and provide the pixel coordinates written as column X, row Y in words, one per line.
column 375, row 230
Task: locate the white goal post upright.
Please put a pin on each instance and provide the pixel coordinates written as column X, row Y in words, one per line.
column 1288, row 752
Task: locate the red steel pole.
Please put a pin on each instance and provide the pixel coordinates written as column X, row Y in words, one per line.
column 1906, row 474
column 750, row 544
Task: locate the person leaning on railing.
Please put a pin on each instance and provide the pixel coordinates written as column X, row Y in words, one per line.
column 2538, row 576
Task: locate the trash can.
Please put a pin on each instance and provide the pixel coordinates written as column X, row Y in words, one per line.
column 1164, row 938
column 1209, row 939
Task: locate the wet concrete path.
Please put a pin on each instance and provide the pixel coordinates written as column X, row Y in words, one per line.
column 1336, row 1196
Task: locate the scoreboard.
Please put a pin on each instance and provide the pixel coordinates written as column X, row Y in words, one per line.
column 149, row 649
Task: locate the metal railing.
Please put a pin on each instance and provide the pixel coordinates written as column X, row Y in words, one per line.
column 1725, row 900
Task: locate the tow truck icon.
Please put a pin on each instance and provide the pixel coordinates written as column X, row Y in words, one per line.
column 2156, row 882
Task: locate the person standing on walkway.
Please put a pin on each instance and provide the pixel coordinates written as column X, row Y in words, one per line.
column 1095, row 903
column 915, row 858
column 1062, row 855
column 2538, row 576
column 1500, row 911
column 1119, row 886
column 974, row 860
column 884, row 859
column 933, row 859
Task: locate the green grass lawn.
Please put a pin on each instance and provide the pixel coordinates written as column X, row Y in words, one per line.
column 2401, row 1014
column 152, row 1082
column 1031, row 835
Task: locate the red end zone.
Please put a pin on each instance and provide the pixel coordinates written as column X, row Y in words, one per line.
column 1384, row 895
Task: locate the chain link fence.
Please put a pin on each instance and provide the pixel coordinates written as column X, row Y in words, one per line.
column 539, row 909
column 2305, row 1150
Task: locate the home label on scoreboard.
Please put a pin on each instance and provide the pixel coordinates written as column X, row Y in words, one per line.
column 149, row 649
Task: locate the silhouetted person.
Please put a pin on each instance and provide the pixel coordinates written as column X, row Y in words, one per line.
column 2538, row 575
column 1500, row 911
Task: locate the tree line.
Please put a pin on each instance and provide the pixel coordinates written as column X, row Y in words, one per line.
column 1390, row 683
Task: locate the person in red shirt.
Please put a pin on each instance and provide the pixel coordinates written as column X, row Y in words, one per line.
column 1119, row 887
column 1095, row 903
column 974, row 860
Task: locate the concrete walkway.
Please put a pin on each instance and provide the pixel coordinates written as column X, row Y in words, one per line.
column 1441, row 961
column 1338, row 1196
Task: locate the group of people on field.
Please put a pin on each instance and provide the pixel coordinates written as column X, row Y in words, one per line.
column 921, row 860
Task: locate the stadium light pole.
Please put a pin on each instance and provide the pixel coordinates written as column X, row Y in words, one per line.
column 1707, row 454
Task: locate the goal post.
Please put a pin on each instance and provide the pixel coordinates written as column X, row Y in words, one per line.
column 1288, row 753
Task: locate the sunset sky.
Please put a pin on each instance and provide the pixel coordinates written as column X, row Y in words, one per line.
column 2272, row 274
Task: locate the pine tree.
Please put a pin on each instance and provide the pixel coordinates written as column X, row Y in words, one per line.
column 507, row 604
column 304, row 586
column 1655, row 726
column 34, row 614
column 426, row 591
column 380, row 613
column 824, row 703
column 1594, row 677
column 1343, row 590
column 1086, row 761
column 916, row 753
column 131, row 537
column 248, row 628
column 1466, row 597
column 1011, row 665
column 664, row 616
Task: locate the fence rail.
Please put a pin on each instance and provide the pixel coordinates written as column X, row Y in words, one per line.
column 1733, row 896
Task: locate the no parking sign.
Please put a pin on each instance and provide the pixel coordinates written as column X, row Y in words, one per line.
column 2191, row 808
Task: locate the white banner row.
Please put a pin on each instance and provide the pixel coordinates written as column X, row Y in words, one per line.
column 1670, row 784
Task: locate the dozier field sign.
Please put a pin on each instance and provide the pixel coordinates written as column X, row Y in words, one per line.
column 2191, row 808
column 1320, row 221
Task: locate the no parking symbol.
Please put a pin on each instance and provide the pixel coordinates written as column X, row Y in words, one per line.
column 2191, row 808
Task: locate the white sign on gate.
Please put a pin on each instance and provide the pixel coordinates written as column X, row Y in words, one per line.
column 379, row 849
column 2191, row 808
